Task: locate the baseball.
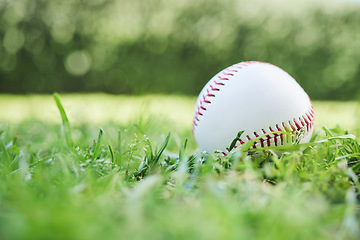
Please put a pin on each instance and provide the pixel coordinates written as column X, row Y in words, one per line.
column 258, row 99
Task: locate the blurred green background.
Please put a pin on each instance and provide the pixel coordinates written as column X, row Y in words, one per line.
column 164, row 46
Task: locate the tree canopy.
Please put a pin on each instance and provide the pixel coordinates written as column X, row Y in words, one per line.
column 161, row 46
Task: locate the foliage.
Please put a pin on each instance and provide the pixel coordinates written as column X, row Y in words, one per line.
column 159, row 46
column 124, row 184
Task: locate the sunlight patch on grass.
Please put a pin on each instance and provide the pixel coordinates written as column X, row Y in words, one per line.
column 123, row 109
column 97, row 108
column 333, row 113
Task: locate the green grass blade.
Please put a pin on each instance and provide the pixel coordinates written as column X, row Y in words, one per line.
column 5, row 156
column 119, row 142
column 111, row 153
column 182, row 150
column 161, row 150
column 237, row 138
column 65, row 122
column 139, row 128
column 98, row 145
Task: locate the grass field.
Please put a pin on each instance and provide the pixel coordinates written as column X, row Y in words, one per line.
column 126, row 167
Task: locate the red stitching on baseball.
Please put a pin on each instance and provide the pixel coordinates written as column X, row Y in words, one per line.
column 306, row 123
column 262, row 142
column 281, row 135
column 275, row 136
column 301, row 122
column 222, row 78
column 266, row 140
column 306, row 126
column 297, row 125
column 205, row 100
column 219, row 83
column 292, row 127
column 214, row 89
column 231, row 74
column 209, row 92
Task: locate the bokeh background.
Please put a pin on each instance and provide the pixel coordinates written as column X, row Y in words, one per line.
column 164, row 46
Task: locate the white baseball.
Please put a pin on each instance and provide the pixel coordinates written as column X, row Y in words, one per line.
column 255, row 97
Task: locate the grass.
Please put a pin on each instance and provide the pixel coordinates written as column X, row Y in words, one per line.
column 70, row 172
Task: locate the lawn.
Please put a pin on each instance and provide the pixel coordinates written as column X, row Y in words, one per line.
column 127, row 167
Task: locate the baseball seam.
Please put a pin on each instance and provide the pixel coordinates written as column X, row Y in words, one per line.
column 277, row 135
column 299, row 125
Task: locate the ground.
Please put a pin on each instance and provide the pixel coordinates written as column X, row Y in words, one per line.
column 128, row 167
